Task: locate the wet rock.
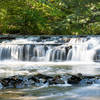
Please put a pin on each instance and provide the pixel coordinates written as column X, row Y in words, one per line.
column 67, row 49
column 46, row 48
column 5, row 82
column 97, row 56
column 89, row 82
column 75, row 79
column 43, row 76
column 56, row 80
column 43, row 81
column 80, row 79
column 38, row 78
column 89, row 77
column 20, row 81
column 35, row 79
column 66, row 40
column 7, row 38
column 11, row 81
column 44, row 37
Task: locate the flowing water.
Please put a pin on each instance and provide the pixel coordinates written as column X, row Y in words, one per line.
column 58, row 55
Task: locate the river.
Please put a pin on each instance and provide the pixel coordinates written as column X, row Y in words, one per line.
column 56, row 55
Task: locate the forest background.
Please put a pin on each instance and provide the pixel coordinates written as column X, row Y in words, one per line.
column 50, row 17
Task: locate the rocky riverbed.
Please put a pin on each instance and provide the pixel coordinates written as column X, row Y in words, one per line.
column 22, row 81
column 49, row 68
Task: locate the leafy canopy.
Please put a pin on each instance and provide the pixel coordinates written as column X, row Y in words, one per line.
column 50, row 17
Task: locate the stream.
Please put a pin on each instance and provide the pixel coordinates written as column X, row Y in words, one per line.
column 51, row 56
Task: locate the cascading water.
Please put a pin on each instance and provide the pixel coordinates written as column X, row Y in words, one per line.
column 48, row 67
column 85, row 50
column 71, row 49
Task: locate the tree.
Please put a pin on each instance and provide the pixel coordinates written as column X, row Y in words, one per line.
column 50, row 17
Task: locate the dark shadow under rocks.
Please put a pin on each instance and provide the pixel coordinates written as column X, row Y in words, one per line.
column 20, row 81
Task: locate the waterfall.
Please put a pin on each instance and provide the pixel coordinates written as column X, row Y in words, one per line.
column 84, row 50
column 63, row 49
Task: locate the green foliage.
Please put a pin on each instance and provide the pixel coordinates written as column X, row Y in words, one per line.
column 50, row 17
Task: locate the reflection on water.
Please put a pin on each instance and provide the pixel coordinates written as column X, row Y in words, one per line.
column 53, row 93
column 60, row 92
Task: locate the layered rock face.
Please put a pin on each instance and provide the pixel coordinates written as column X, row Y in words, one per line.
column 56, row 49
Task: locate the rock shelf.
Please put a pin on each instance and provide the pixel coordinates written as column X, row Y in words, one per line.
column 21, row 81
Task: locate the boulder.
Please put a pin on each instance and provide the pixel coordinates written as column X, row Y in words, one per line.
column 11, row 81
column 20, row 81
column 75, row 79
column 56, row 80
column 43, row 76
column 35, row 79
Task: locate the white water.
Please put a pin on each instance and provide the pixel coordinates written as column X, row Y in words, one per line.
column 28, row 57
column 77, row 49
column 22, row 55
